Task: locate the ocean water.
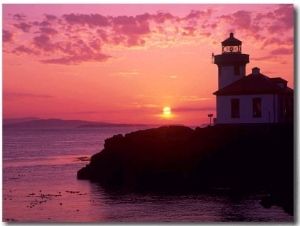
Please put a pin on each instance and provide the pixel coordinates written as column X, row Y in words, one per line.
column 40, row 185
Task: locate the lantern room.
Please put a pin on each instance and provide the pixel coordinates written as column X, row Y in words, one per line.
column 231, row 45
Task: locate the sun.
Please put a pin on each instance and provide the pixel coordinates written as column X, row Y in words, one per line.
column 167, row 111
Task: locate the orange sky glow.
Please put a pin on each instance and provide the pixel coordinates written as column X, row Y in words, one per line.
column 126, row 63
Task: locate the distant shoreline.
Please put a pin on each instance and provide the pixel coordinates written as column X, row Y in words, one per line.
column 60, row 123
column 38, row 123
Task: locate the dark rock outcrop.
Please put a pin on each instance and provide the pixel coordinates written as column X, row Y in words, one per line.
column 141, row 157
column 177, row 157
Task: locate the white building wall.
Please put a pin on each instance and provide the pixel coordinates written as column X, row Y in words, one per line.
column 227, row 76
column 269, row 105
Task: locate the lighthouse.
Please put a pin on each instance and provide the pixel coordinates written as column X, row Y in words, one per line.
column 231, row 63
column 254, row 98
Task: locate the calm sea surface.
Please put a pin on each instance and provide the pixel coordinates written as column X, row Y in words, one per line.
column 40, row 185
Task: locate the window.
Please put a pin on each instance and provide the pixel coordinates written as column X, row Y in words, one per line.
column 235, row 108
column 256, row 103
column 281, row 107
column 236, row 70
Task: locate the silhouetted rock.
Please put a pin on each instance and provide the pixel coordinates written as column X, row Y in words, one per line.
column 267, row 201
column 177, row 157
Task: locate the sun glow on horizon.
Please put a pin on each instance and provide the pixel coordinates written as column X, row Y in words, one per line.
column 167, row 111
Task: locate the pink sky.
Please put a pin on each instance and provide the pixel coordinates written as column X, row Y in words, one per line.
column 125, row 63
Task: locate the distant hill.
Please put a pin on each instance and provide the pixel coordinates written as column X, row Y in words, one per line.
column 102, row 124
column 18, row 120
column 57, row 123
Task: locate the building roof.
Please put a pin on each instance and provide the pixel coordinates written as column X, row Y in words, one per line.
column 278, row 80
column 231, row 41
column 255, row 83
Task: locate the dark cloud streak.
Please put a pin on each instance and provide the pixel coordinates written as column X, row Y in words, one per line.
column 16, row 96
column 282, row 51
column 75, row 60
column 188, row 109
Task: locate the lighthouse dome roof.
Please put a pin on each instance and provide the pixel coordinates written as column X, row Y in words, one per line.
column 231, row 41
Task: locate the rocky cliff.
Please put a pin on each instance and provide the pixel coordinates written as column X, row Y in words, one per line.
column 180, row 158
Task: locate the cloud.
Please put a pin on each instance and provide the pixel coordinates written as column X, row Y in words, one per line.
column 43, row 24
column 123, row 20
column 189, row 31
column 87, row 112
column 127, row 73
column 43, row 42
column 130, row 31
column 16, row 95
column 188, row 109
column 239, row 20
column 23, row 26
column 197, row 16
column 78, row 38
column 103, row 35
column 50, row 17
column 122, row 30
column 73, row 60
column 25, row 50
column 284, row 19
column 93, row 20
column 19, row 16
column 274, row 56
column 193, row 98
column 282, row 51
column 194, row 14
column 135, row 41
column 171, row 76
column 262, row 28
column 95, row 44
column 143, row 17
column 48, row 31
column 242, row 19
column 271, row 30
column 78, row 47
column 6, row 36
column 145, row 107
column 263, row 58
column 133, row 28
column 72, row 51
column 161, row 17
column 272, row 41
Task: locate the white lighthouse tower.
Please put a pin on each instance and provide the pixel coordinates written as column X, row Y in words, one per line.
column 231, row 63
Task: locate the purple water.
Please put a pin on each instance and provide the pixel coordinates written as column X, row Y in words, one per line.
column 40, row 185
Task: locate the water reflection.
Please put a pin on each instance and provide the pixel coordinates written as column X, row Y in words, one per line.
column 205, row 206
